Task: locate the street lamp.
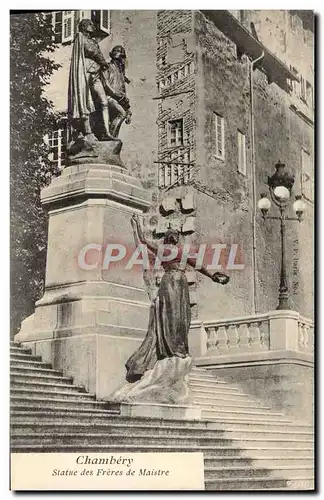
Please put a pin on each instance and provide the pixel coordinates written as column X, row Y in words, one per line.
column 280, row 187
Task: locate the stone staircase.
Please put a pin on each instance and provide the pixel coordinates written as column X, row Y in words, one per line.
column 246, row 446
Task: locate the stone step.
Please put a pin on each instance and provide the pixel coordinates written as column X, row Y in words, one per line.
column 47, row 403
column 226, row 402
column 15, row 363
column 22, row 393
column 196, row 370
column 232, row 423
column 145, row 425
column 257, row 483
column 160, row 438
column 280, row 471
column 262, row 462
column 85, row 422
column 208, row 412
column 228, row 417
column 47, row 386
column 34, row 415
column 219, row 451
column 24, row 357
column 149, row 430
column 20, row 350
column 30, row 370
column 24, row 375
column 197, row 377
column 210, row 390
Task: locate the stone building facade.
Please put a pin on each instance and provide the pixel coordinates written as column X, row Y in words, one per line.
column 208, row 128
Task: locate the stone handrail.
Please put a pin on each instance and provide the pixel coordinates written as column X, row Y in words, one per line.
column 273, row 331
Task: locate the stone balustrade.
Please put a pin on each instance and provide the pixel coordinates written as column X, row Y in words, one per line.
column 305, row 335
column 269, row 356
column 272, row 331
column 237, row 335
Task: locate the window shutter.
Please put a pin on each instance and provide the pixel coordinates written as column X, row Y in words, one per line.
column 57, row 26
column 105, row 21
column 67, row 26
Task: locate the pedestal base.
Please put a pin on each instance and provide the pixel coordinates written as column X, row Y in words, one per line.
column 94, row 312
column 166, row 382
column 164, row 411
column 95, row 361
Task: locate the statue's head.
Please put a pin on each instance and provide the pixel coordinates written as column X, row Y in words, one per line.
column 118, row 53
column 87, row 27
column 171, row 237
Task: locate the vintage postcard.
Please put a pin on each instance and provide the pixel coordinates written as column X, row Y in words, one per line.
column 162, row 227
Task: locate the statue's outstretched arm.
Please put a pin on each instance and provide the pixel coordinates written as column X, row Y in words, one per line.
column 217, row 277
column 139, row 236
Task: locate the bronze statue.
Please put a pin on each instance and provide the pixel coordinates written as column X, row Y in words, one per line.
column 170, row 313
column 157, row 371
column 114, row 80
column 97, row 100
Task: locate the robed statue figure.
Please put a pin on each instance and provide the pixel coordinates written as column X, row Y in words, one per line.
column 97, row 100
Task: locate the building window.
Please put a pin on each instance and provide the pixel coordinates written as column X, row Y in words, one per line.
column 219, row 136
column 101, row 18
column 307, row 180
column 175, row 169
column 63, row 25
column 175, row 133
column 65, row 22
column 57, row 143
column 241, row 166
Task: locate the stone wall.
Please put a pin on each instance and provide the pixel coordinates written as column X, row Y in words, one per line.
column 225, row 215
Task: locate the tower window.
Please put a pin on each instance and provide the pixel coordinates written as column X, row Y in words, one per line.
column 175, row 129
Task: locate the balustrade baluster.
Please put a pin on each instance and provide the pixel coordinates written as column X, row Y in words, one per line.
column 233, row 338
column 255, row 335
column 311, row 339
column 211, row 339
column 264, row 335
column 244, row 337
column 301, row 336
column 306, row 336
column 222, row 340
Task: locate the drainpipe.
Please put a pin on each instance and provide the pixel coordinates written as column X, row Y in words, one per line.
column 254, row 203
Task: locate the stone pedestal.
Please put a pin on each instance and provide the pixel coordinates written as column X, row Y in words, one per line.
column 167, row 412
column 94, row 313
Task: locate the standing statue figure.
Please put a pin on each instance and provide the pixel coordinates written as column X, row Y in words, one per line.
column 97, row 101
column 158, row 368
column 114, row 80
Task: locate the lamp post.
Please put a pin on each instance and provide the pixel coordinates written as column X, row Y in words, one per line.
column 280, row 187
